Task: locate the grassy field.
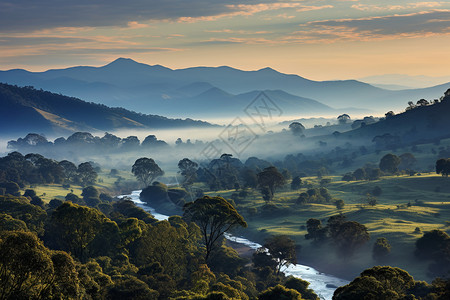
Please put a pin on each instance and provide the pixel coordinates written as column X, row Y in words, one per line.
column 105, row 183
column 392, row 218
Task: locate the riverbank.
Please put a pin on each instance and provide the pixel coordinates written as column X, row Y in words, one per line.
column 242, row 250
column 323, row 284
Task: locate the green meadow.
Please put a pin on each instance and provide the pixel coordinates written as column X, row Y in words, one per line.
column 407, row 207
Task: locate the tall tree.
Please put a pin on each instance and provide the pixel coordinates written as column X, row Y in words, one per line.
column 389, row 163
column 282, row 249
column 188, row 169
column 214, row 216
column 146, row 170
column 86, row 174
column 268, row 180
column 349, row 237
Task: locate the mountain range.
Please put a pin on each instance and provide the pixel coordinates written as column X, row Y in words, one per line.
column 25, row 109
column 205, row 92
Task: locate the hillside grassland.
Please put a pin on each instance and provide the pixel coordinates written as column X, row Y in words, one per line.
column 105, row 183
column 391, row 218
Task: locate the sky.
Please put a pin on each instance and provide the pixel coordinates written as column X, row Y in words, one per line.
column 317, row 39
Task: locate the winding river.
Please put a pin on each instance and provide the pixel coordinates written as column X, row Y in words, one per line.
column 323, row 284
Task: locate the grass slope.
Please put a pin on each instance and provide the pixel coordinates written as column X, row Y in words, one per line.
column 390, row 218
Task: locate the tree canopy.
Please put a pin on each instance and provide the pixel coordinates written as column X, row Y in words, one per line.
column 146, row 170
column 214, row 216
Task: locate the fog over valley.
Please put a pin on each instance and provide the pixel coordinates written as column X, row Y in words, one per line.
column 238, row 150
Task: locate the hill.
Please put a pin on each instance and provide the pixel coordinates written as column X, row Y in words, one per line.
column 25, row 109
column 157, row 89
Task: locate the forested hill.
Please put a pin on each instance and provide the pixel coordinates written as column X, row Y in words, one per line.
column 25, row 109
column 421, row 122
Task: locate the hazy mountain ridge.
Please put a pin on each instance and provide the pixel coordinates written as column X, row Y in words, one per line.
column 161, row 90
column 25, row 109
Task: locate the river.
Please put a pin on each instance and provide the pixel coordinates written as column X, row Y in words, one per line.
column 323, row 284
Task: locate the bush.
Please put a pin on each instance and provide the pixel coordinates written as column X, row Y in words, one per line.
column 381, row 248
column 339, row 204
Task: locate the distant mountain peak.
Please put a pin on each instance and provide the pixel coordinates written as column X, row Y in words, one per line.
column 123, row 61
column 267, row 69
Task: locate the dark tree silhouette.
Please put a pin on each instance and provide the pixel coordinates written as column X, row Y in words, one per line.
column 282, row 249
column 214, row 216
column 343, row 119
column 389, row 163
column 443, row 166
column 268, row 180
column 146, row 170
column 350, row 236
column 381, row 248
column 380, row 282
column 296, row 128
column 188, row 169
column 86, row 174
column 296, row 183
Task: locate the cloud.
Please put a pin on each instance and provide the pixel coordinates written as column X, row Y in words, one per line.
column 239, row 31
column 422, row 24
column 417, row 5
column 246, row 10
column 239, row 40
column 20, row 15
column 136, row 25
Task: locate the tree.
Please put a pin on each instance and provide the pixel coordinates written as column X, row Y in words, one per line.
column 343, row 119
column 69, row 169
column 350, row 236
column 422, row 102
column 297, row 128
column 315, row 230
column 131, row 142
column 296, row 183
column 371, row 200
column 407, row 161
column 84, row 232
column 129, row 287
column 279, row 292
column 443, row 167
column 31, row 271
column 268, row 180
column 91, row 196
column 432, row 244
column 282, row 249
column 381, row 248
column 188, row 169
column 389, row 163
column 389, row 114
column 86, row 174
column 301, row 286
column 8, row 223
column 339, row 204
column 214, row 216
column 249, row 177
column 380, row 282
column 359, row 174
column 146, row 170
